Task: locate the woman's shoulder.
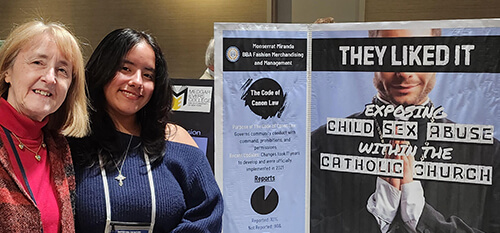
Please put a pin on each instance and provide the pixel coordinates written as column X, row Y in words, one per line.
column 175, row 133
column 181, row 148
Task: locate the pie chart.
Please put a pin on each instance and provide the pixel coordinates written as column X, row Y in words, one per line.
column 264, row 199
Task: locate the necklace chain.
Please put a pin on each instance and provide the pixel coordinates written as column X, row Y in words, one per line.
column 21, row 146
column 120, row 177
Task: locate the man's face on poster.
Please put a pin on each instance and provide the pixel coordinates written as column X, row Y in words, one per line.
column 405, row 88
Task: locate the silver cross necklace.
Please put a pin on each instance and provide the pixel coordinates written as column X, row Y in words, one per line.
column 120, row 177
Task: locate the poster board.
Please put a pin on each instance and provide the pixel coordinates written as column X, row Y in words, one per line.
column 394, row 126
column 193, row 110
column 264, row 135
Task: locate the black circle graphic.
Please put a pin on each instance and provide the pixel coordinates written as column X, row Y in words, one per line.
column 265, row 98
column 264, row 200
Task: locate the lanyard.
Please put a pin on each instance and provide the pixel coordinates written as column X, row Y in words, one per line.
column 20, row 164
column 108, row 227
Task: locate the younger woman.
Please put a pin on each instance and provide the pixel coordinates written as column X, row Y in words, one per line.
column 135, row 171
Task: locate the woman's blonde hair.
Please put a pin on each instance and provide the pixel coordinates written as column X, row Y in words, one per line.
column 71, row 118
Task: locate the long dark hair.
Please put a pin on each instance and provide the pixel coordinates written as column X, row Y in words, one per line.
column 101, row 68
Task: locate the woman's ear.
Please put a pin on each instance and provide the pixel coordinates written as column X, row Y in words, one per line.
column 7, row 76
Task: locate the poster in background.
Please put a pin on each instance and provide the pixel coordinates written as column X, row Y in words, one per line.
column 263, row 127
column 369, row 106
column 193, row 110
column 357, row 131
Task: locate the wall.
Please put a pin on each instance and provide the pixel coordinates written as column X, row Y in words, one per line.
column 389, row 10
column 306, row 11
column 182, row 28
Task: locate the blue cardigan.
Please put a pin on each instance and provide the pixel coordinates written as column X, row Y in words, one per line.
column 187, row 196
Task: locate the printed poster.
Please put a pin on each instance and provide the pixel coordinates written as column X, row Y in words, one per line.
column 394, row 125
column 264, row 128
column 193, row 109
column 403, row 119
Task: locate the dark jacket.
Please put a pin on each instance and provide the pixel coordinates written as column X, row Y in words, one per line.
column 338, row 199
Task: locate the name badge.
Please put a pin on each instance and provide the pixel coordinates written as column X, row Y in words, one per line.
column 129, row 227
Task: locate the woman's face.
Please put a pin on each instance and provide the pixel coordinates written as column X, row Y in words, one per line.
column 132, row 87
column 39, row 78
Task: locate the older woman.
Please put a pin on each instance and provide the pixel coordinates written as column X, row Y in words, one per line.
column 42, row 88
